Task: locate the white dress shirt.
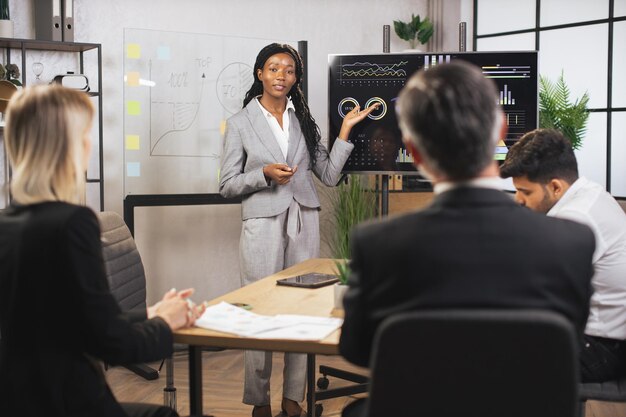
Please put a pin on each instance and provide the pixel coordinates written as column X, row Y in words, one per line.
column 588, row 203
column 481, row 182
column 281, row 134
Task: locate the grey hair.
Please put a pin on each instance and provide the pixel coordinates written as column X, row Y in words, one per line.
column 450, row 113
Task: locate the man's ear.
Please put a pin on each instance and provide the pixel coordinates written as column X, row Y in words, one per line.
column 420, row 162
column 417, row 157
column 504, row 128
column 557, row 187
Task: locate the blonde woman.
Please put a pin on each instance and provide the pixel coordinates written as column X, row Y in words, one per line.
column 56, row 312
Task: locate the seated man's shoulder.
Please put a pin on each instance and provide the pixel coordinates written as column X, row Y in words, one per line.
column 388, row 225
column 568, row 232
column 545, row 231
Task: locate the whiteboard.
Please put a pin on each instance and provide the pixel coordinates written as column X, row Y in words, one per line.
column 179, row 89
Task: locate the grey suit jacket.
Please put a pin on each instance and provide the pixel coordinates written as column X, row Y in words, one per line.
column 249, row 145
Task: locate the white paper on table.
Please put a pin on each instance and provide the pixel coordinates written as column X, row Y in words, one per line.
column 228, row 318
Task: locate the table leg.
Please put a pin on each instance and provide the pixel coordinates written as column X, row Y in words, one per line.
column 169, row 392
column 195, row 380
column 310, row 378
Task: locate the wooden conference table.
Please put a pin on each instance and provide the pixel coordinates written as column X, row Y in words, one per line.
column 266, row 298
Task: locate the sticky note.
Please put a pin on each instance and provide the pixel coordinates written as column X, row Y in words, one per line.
column 222, row 127
column 133, row 169
column 163, row 53
column 133, row 51
column 132, row 79
column 133, row 108
column 132, row 142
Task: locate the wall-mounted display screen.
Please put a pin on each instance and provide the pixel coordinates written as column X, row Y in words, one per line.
column 367, row 79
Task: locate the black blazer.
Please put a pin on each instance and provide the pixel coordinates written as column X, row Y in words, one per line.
column 57, row 313
column 472, row 247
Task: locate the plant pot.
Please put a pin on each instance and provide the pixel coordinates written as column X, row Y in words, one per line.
column 6, row 28
column 339, row 292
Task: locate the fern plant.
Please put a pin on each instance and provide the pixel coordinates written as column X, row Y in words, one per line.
column 556, row 111
column 416, row 30
column 352, row 204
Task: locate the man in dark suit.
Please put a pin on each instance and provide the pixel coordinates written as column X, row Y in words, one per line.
column 473, row 246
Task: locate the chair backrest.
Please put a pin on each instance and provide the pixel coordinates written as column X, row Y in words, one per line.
column 486, row 363
column 125, row 272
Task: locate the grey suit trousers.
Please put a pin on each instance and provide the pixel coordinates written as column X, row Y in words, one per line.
column 268, row 245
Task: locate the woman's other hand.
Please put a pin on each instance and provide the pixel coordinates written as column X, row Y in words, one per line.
column 279, row 173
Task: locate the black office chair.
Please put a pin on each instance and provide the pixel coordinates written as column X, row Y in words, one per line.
column 487, row 363
column 125, row 273
column 609, row 391
column 127, row 282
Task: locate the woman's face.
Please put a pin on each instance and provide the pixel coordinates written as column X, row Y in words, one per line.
column 278, row 75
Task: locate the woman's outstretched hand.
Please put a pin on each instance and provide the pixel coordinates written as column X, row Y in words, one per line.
column 352, row 118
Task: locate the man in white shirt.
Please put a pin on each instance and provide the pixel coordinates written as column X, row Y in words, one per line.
column 545, row 174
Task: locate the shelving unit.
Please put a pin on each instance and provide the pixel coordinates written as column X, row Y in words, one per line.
column 20, row 47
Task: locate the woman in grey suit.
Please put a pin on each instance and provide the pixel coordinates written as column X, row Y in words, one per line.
column 271, row 148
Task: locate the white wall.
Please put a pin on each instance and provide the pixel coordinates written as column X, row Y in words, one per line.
column 448, row 14
column 198, row 245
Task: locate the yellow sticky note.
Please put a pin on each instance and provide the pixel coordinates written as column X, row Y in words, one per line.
column 222, row 127
column 132, row 142
column 133, row 51
column 132, row 79
column 133, row 108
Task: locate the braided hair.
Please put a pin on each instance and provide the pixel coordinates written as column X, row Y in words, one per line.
column 308, row 126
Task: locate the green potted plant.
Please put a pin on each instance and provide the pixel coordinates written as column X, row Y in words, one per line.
column 11, row 73
column 352, row 204
column 414, row 31
column 556, row 110
column 6, row 25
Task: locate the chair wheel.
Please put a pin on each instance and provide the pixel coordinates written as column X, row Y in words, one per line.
column 319, row 409
column 323, row 382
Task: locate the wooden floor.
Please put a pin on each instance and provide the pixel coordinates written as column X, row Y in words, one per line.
column 223, row 386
